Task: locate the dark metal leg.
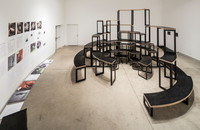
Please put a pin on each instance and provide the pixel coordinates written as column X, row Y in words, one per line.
column 159, row 74
column 151, row 112
column 96, row 73
column 111, row 74
column 186, row 101
column 171, row 81
column 146, row 72
column 76, row 75
column 79, row 80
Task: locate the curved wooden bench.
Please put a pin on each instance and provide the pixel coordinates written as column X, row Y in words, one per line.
column 101, row 57
column 180, row 92
column 79, row 62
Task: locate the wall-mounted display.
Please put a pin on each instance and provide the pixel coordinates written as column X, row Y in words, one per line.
column 19, row 27
column 39, row 44
column 33, row 26
column 33, row 47
column 26, row 26
column 20, row 56
column 11, row 61
column 11, row 29
column 39, row 25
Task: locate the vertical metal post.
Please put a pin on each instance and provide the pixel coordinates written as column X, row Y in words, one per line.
column 145, row 17
column 164, row 41
column 171, row 83
column 149, row 34
column 111, row 74
column 132, row 22
column 159, row 74
column 140, row 47
column 175, row 41
column 157, row 46
column 118, row 24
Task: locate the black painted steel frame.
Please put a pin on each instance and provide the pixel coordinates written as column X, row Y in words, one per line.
column 111, row 70
column 146, row 70
column 79, row 80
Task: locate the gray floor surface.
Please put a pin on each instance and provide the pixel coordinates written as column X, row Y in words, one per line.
column 57, row 103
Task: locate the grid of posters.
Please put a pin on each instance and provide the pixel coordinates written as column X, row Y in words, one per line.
column 30, row 40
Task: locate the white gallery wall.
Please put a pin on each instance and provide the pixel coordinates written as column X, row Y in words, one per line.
column 184, row 16
column 50, row 12
column 85, row 13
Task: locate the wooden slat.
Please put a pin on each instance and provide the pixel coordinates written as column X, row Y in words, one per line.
column 103, row 60
column 126, row 25
column 161, row 27
column 132, row 9
column 167, row 61
column 79, row 67
column 170, row 104
column 113, row 24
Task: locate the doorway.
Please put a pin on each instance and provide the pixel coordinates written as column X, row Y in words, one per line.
column 58, row 37
column 72, row 34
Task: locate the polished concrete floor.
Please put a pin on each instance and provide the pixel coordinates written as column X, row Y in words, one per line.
column 57, row 103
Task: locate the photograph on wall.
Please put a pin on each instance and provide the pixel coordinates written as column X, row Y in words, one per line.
column 19, row 27
column 33, row 47
column 11, row 29
column 26, row 26
column 39, row 25
column 11, row 61
column 39, row 44
column 26, row 85
column 33, row 26
column 20, row 56
column 19, row 96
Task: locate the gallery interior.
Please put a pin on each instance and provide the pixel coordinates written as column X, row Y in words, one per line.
column 90, row 65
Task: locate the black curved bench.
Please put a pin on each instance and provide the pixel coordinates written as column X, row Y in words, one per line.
column 101, row 57
column 180, row 92
column 79, row 62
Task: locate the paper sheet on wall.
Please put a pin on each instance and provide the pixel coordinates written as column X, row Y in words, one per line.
column 26, row 39
column 26, row 51
column 3, row 67
column 32, row 77
column 32, row 37
column 11, row 108
column 20, row 42
column 11, row 45
column 2, row 50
